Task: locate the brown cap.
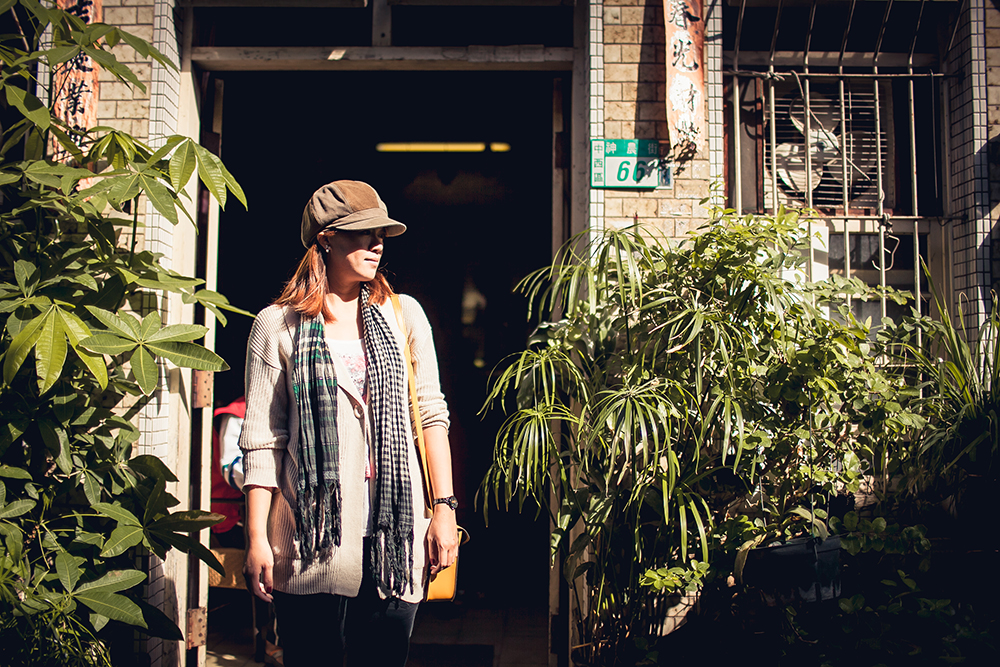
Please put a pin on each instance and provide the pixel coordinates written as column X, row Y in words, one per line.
column 350, row 205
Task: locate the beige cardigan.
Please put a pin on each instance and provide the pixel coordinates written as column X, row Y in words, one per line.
column 270, row 440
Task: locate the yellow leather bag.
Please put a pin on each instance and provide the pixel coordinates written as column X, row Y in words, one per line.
column 444, row 584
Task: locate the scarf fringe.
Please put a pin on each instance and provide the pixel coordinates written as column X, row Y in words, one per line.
column 318, row 518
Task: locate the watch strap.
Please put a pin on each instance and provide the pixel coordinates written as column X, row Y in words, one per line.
column 450, row 501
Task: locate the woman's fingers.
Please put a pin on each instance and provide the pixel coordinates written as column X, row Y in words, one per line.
column 258, row 571
column 260, row 584
column 443, row 551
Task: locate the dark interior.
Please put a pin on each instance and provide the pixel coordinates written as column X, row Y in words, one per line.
column 478, row 223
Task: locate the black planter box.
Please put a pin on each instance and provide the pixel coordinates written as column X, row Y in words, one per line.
column 806, row 568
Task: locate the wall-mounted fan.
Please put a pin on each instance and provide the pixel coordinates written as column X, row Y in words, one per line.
column 827, row 154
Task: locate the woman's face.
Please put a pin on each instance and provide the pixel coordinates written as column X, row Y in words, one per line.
column 353, row 256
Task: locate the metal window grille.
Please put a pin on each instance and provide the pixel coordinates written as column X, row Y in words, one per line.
column 848, row 123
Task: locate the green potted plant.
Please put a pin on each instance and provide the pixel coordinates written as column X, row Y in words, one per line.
column 686, row 403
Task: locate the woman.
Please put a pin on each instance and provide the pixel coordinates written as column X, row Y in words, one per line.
column 337, row 530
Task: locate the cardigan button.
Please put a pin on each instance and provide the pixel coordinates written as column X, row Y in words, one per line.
column 358, row 412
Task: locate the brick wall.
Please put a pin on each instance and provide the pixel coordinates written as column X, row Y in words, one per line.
column 634, row 91
column 150, row 116
column 122, row 106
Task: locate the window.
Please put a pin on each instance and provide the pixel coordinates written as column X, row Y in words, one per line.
column 837, row 106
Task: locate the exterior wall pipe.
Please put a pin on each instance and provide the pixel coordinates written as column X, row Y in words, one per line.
column 772, row 115
column 737, row 128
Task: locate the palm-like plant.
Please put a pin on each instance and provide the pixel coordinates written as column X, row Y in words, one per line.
column 669, row 392
column 963, row 400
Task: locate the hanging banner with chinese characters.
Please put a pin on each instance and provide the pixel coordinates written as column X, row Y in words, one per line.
column 75, row 84
column 685, row 57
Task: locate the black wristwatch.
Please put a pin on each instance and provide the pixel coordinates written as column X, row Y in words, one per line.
column 450, row 501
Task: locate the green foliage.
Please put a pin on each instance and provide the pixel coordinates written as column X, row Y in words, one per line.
column 963, row 398
column 78, row 362
column 687, row 403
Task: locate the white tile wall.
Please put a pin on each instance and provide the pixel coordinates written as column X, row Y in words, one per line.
column 596, row 212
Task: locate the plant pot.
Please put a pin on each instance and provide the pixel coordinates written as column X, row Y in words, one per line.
column 806, row 568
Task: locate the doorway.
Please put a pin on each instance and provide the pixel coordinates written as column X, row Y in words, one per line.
column 478, row 222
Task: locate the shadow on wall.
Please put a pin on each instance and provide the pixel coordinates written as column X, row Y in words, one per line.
column 992, row 156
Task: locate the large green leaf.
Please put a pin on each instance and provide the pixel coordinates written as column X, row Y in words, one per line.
column 118, row 513
column 60, row 54
column 70, row 147
column 21, row 346
column 189, row 544
column 214, row 301
column 107, row 60
column 168, row 145
column 114, row 581
column 68, row 569
column 180, row 333
column 26, row 274
column 95, row 363
column 122, row 538
column 189, row 355
column 105, row 343
column 16, row 508
column 114, row 606
column 182, row 165
column 144, row 369
column 123, row 188
column 29, row 105
column 50, row 352
column 56, row 174
column 210, row 172
column 57, row 441
column 160, row 197
column 159, row 624
column 10, row 472
column 186, row 522
column 91, row 487
column 153, row 467
column 114, row 323
column 233, row 185
column 151, row 323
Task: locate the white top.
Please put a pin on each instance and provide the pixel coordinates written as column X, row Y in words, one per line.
column 352, row 353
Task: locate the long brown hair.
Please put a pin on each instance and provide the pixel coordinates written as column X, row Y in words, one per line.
column 306, row 291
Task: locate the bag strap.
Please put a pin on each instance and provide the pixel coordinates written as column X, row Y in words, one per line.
column 417, row 422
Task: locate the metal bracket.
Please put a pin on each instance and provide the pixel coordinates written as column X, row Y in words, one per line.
column 202, row 388
column 197, row 627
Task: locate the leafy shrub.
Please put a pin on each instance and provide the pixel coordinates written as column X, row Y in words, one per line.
column 78, row 363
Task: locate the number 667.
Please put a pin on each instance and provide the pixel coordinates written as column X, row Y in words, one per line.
column 641, row 169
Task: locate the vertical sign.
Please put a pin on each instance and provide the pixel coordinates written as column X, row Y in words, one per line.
column 75, row 83
column 685, row 58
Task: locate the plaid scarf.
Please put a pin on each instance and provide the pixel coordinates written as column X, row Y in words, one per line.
column 317, row 513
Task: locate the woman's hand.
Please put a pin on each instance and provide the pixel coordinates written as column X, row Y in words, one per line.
column 258, row 569
column 442, row 539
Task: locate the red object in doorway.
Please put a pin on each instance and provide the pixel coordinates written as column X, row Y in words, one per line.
column 221, row 490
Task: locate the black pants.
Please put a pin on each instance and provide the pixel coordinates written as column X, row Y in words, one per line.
column 321, row 629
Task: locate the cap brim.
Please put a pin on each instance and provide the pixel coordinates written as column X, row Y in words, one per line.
column 371, row 218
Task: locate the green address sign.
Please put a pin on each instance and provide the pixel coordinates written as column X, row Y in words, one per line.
column 627, row 163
